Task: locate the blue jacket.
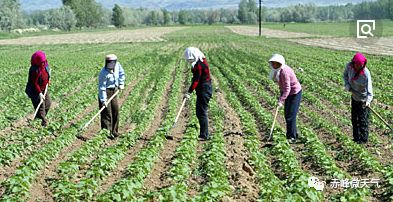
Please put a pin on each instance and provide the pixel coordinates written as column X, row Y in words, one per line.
column 361, row 87
column 108, row 79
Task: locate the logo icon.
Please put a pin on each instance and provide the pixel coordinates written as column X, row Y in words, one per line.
column 365, row 28
column 315, row 183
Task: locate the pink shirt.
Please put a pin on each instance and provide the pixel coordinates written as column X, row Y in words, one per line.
column 289, row 85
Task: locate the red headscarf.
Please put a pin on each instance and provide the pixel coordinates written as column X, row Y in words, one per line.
column 361, row 60
column 39, row 59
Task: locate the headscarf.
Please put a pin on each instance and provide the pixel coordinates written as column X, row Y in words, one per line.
column 192, row 53
column 361, row 60
column 110, row 61
column 275, row 73
column 39, row 59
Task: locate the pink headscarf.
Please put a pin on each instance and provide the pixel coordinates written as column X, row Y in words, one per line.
column 38, row 58
column 361, row 60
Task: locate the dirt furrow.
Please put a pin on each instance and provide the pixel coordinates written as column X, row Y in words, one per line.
column 158, row 176
column 241, row 176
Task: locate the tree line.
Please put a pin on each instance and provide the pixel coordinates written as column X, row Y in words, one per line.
column 77, row 14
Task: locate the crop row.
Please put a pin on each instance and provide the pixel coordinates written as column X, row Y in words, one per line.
column 109, row 157
column 129, row 187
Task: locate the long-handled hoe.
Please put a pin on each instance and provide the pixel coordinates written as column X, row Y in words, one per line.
column 168, row 135
column 79, row 135
column 39, row 105
column 274, row 121
column 380, row 117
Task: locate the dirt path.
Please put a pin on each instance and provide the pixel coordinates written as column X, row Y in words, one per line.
column 40, row 189
column 382, row 46
column 153, row 34
column 241, row 178
column 269, row 33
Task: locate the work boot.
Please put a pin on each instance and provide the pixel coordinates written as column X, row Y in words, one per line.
column 113, row 136
column 292, row 141
column 202, row 138
column 44, row 123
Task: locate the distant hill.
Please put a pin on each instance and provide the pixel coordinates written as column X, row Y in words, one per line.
column 30, row 5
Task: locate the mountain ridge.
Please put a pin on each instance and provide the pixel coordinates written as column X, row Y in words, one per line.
column 28, row 5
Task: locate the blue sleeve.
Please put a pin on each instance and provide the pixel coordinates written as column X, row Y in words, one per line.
column 369, row 87
column 122, row 75
column 102, row 86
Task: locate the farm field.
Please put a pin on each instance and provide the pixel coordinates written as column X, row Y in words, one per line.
column 337, row 29
column 316, row 34
column 113, row 36
column 236, row 164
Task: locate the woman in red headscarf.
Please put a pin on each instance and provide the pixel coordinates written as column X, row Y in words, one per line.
column 357, row 80
column 39, row 77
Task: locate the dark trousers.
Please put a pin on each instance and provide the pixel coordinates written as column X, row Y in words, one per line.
column 291, row 108
column 110, row 115
column 44, row 108
column 204, row 93
column 359, row 121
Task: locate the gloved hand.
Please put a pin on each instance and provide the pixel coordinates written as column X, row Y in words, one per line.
column 366, row 104
column 42, row 97
column 347, row 88
column 121, row 87
column 104, row 104
column 279, row 104
column 187, row 96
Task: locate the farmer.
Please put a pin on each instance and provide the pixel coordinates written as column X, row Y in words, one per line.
column 111, row 79
column 201, row 82
column 357, row 80
column 291, row 93
column 36, row 87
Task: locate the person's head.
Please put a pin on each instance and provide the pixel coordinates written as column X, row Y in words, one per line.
column 276, row 61
column 359, row 61
column 110, row 61
column 38, row 59
column 192, row 54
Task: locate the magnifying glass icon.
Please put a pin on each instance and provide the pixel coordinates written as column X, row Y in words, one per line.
column 362, row 28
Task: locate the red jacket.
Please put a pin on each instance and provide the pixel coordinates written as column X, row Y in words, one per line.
column 201, row 74
column 39, row 77
column 39, row 74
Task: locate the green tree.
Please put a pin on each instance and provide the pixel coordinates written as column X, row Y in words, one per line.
column 10, row 15
column 252, row 6
column 62, row 18
column 182, row 17
column 87, row 12
column 243, row 10
column 214, row 17
column 387, row 8
column 247, row 12
column 117, row 16
column 153, row 18
column 167, row 16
